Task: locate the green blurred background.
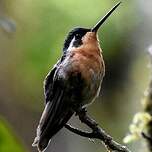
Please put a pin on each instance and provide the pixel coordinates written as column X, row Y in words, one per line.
column 31, row 39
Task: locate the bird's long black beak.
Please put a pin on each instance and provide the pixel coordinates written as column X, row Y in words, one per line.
column 97, row 26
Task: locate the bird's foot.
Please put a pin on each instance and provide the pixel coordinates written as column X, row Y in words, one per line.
column 81, row 111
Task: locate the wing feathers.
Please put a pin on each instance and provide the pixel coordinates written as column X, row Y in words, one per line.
column 54, row 116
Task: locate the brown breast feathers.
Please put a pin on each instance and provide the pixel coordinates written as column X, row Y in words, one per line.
column 88, row 58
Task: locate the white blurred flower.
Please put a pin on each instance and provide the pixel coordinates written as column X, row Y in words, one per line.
column 150, row 50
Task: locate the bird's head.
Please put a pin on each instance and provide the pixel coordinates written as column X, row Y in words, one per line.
column 77, row 36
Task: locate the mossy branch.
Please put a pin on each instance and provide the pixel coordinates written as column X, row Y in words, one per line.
column 148, row 109
column 142, row 121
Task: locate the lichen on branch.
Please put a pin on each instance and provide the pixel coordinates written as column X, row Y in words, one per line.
column 141, row 126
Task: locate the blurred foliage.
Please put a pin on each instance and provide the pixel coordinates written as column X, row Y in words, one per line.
column 8, row 141
column 31, row 38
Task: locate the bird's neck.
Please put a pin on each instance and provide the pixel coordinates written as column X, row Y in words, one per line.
column 91, row 43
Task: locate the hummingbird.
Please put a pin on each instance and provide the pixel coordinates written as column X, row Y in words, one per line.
column 73, row 83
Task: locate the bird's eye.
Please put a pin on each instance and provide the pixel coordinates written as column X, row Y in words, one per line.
column 77, row 36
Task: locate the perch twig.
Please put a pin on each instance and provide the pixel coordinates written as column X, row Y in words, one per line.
column 97, row 133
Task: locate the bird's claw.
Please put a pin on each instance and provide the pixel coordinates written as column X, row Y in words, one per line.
column 81, row 111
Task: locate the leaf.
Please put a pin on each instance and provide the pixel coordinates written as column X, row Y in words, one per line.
column 8, row 140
